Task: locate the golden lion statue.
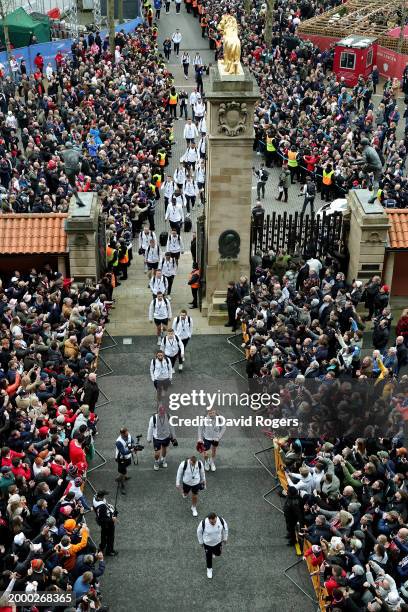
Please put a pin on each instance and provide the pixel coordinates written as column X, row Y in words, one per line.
column 231, row 44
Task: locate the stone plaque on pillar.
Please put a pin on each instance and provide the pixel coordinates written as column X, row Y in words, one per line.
column 86, row 238
column 231, row 100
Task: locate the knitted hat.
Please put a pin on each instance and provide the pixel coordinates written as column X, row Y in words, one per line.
column 19, row 539
column 69, row 524
column 393, row 599
column 37, row 565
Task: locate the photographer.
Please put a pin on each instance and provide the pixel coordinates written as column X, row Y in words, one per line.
column 106, row 516
column 123, row 456
column 161, row 433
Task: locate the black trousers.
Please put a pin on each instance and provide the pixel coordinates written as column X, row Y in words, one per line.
column 194, row 291
column 176, row 225
column 174, row 359
column 260, row 189
column 285, row 191
column 170, row 280
column 231, row 316
column 190, row 199
column 107, row 538
column 210, row 551
column 176, row 48
column 305, row 205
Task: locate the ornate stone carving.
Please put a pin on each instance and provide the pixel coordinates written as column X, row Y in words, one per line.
column 232, row 118
column 229, row 244
column 374, row 237
column 81, row 240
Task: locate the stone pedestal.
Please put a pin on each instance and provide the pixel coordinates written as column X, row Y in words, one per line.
column 86, row 238
column 230, row 112
column 368, row 236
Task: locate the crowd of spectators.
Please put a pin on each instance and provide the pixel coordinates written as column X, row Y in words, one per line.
column 305, row 110
column 348, row 500
column 51, row 327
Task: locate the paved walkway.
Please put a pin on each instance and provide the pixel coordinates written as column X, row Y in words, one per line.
column 160, row 567
column 133, row 297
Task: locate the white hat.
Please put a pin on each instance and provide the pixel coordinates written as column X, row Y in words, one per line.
column 19, row 539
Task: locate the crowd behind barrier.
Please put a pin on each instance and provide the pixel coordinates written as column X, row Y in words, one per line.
column 49, row 50
column 313, row 126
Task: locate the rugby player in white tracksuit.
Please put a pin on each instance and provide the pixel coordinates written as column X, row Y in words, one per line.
column 161, row 371
column 152, row 257
column 212, row 533
column 145, row 236
column 160, row 313
column 210, row 434
column 183, row 328
column 158, row 283
column 173, row 348
column 168, row 189
column 168, row 267
column 175, row 245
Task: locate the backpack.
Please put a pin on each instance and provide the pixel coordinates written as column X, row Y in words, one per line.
column 311, row 189
column 168, row 365
column 221, row 521
column 164, row 300
column 155, row 420
column 264, row 176
column 188, row 319
column 186, row 463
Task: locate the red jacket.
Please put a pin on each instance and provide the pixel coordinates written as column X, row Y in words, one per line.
column 76, row 454
column 39, row 62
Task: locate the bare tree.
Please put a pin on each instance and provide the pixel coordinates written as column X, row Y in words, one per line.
column 270, row 7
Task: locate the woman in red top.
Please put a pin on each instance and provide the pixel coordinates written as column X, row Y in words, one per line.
column 39, row 62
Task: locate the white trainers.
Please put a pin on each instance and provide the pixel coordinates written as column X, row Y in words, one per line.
column 209, row 572
column 164, row 463
column 194, row 511
column 180, row 367
column 158, row 341
column 207, row 465
column 156, row 466
column 213, row 468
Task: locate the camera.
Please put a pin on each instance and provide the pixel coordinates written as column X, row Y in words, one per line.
column 137, row 447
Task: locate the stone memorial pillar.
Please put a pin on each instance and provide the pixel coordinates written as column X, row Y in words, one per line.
column 368, row 236
column 231, row 100
column 86, row 238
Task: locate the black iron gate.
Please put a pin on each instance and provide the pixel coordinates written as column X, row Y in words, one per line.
column 297, row 233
